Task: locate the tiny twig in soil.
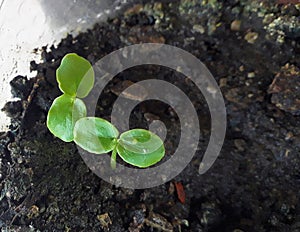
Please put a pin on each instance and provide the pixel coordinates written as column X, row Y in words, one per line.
column 27, row 103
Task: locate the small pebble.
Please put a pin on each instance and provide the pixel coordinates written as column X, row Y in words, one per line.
column 251, row 37
column 240, row 144
column 235, row 25
column 104, row 220
column 289, row 135
column 199, row 28
column 223, row 82
column 251, row 75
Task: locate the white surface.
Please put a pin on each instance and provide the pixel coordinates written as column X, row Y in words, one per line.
column 29, row 24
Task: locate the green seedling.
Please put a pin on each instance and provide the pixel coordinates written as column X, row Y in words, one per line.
column 68, row 121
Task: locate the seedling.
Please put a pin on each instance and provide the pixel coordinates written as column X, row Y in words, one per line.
column 68, row 121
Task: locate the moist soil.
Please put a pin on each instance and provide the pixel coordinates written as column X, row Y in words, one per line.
column 252, row 50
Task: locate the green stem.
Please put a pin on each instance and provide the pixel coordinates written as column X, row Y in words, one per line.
column 113, row 158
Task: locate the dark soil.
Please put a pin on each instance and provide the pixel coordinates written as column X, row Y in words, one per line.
column 251, row 48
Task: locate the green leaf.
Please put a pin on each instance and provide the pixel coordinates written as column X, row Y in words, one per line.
column 95, row 135
column 140, row 148
column 63, row 113
column 75, row 75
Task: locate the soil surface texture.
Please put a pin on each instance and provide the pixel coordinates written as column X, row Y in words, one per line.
column 252, row 49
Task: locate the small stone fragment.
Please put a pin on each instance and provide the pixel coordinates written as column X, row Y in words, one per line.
column 251, row 75
column 151, row 117
column 222, row 82
column 104, row 220
column 251, row 37
column 289, row 135
column 240, row 144
column 171, row 189
column 268, row 18
column 199, row 28
column 34, row 211
column 235, row 25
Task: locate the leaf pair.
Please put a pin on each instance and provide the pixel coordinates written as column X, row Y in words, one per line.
column 138, row 147
column 67, row 120
column 75, row 77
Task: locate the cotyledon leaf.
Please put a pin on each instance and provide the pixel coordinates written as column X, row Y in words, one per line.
column 75, row 75
column 64, row 112
column 95, row 135
column 140, row 141
column 140, row 148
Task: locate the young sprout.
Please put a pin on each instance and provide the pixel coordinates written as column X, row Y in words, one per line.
column 137, row 147
column 75, row 77
column 67, row 120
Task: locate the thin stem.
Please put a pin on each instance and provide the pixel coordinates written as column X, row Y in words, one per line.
column 113, row 158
